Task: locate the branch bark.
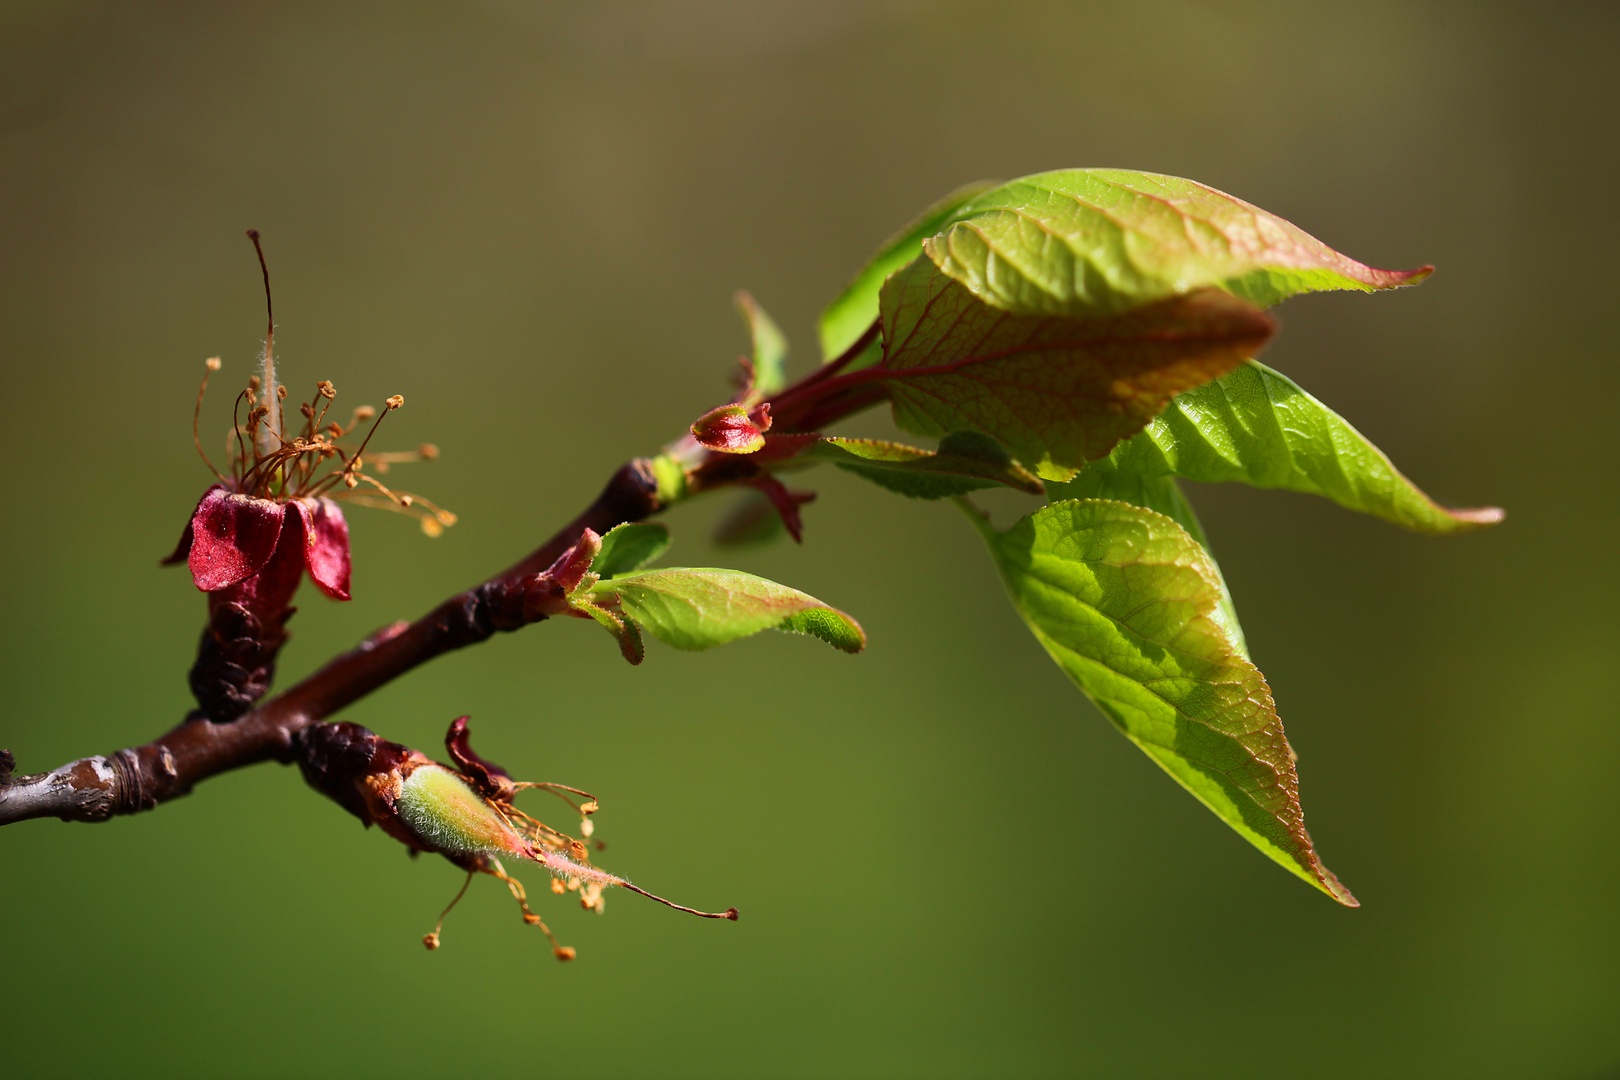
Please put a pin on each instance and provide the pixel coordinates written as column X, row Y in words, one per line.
column 141, row 777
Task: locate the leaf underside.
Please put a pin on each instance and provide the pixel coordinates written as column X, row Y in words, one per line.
column 1057, row 391
column 770, row 350
column 629, row 547
column 1125, row 601
column 965, row 461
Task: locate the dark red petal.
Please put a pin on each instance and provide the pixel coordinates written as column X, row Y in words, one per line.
column 490, row 779
column 232, row 537
column 183, row 548
column 326, row 547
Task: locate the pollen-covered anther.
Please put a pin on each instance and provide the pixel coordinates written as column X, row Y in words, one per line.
column 395, row 402
column 588, row 808
column 326, row 389
column 364, row 412
column 558, row 887
column 212, row 363
column 428, row 451
column 563, row 952
column 431, row 941
column 586, row 827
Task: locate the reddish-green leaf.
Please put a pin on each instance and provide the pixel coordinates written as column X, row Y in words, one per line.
column 1077, row 241
column 1057, row 390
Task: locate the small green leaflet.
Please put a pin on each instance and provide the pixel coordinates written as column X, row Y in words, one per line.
column 1257, row 426
column 1055, row 390
column 1079, row 241
column 629, row 547
column 1125, row 601
column 965, row 461
column 770, row 350
column 856, row 308
column 700, row 607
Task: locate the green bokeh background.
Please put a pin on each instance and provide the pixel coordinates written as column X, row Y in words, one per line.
column 529, row 219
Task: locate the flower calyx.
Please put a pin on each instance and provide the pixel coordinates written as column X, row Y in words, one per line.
column 465, row 813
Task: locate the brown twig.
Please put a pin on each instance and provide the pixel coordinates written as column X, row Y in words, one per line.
column 138, row 778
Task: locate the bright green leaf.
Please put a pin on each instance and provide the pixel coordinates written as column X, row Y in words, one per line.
column 1124, row 600
column 770, row 350
column 1078, row 241
column 1256, row 426
column 1056, row 391
column 623, row 630
column 1100, row 480
column 965, row 461
column 856, row 308
column 699, row 608
column 629, row 547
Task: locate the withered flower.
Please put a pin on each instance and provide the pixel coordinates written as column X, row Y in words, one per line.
column 465, row 813
column 270, row 517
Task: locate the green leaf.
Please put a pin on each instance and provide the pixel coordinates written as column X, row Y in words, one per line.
column 770, row 350
column 699, row 608
column 1124, row 600
column 629, row 547
column 965, row 461
column 1083, row 240
column 1100, row 480
column 1256, row 426
column 1056, row 391
column 856, row 308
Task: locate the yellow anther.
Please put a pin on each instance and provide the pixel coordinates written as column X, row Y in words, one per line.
column 212, row 363
column 396, row 401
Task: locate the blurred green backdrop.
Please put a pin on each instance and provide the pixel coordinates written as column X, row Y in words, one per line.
column 529, row 218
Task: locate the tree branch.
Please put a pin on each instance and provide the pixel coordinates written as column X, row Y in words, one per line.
column 138, row 778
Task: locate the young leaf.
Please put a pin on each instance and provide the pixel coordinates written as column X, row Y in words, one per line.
column 856, row 308
column 1100, row 480
column 623, row 630
column 1057, row 391
column 965, row 461
column 1255, row 425
column 770, row 350
column 1124, row 601
column 699, row 608
column 1078, row 241
column 629, row 547
column 732, row 429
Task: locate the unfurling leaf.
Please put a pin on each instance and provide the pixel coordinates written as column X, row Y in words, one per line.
column 856, row 308
column 699, row 608
column 1125, row 601
column 1079, row 241
column 1257, row 426
column 1057, row 391
column 629, row 547
column 770, row 350
column 965, row 461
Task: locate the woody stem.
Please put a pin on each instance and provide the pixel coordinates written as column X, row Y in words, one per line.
column 138, row 778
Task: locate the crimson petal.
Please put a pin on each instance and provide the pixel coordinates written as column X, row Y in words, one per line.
column 232, row 537
column 183, row 548
column 326, row 548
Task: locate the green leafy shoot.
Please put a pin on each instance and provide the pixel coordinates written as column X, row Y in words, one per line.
column 630, row 547
column 965, row 461
column 770, row 350
column 1057, row 391
column 1079, row 241
column 699, row 608
column 854, row 311
column 1125, row 602
column 1257, row 426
